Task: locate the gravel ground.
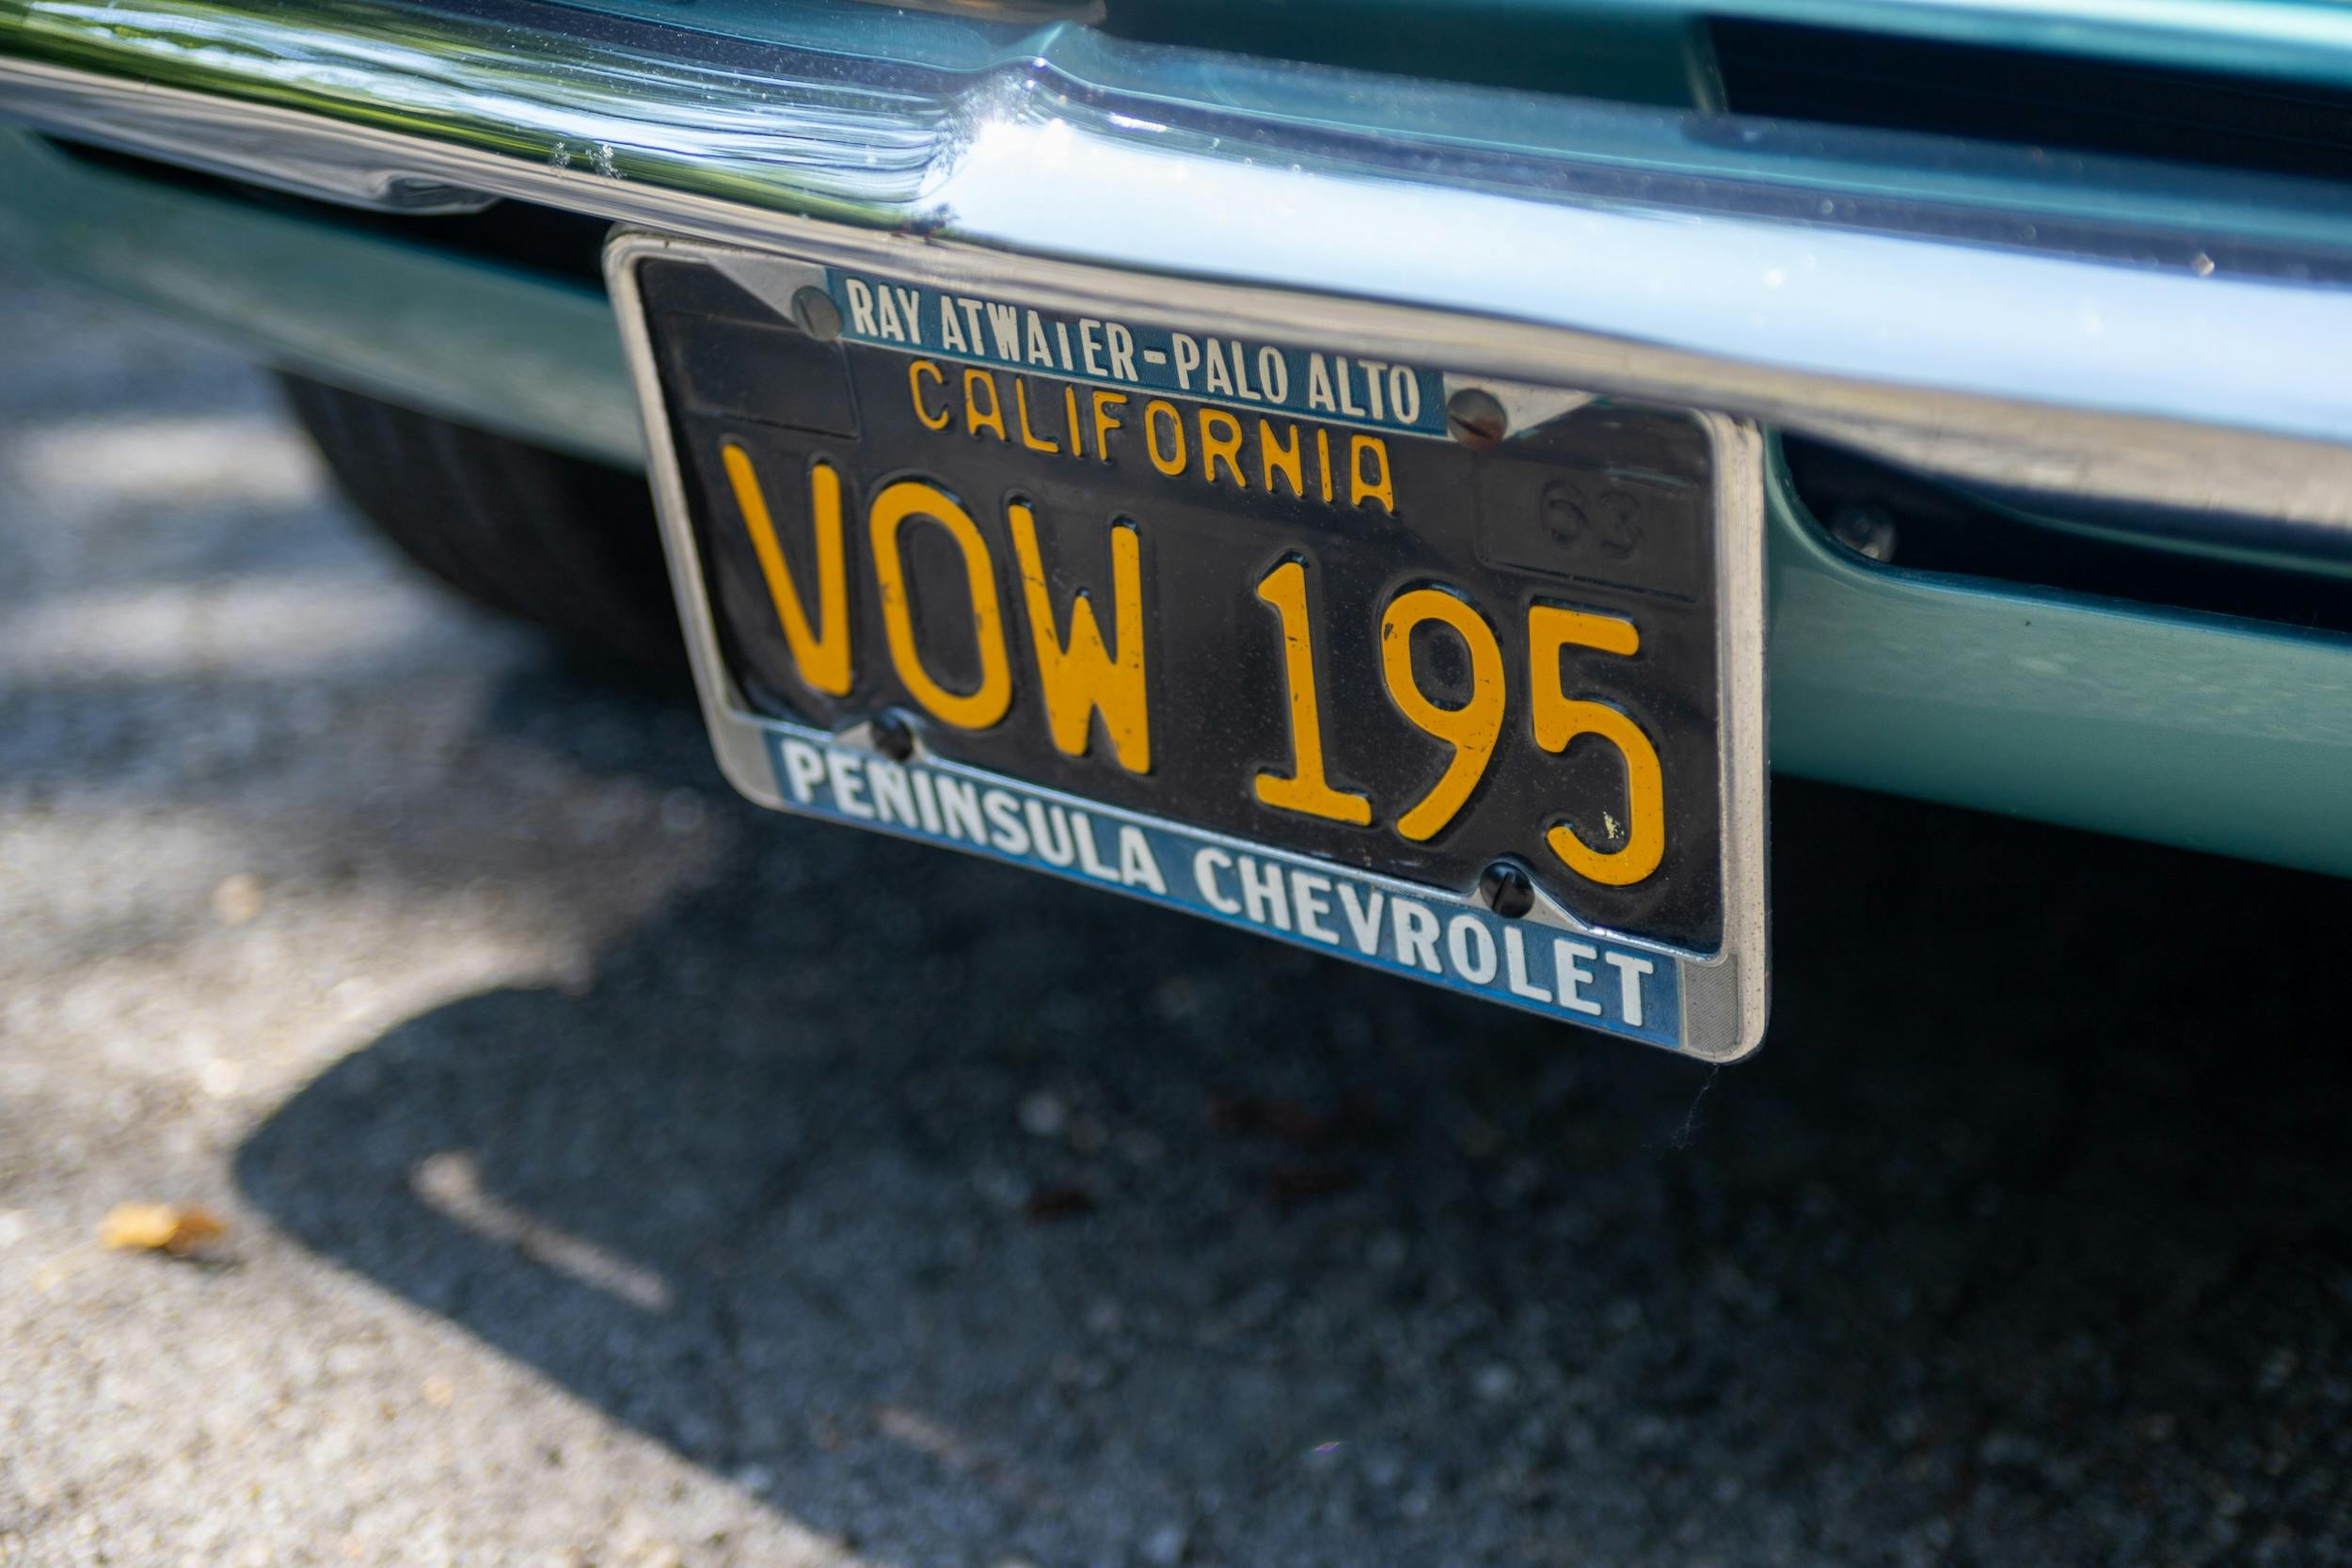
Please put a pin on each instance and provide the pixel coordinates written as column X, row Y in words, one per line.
column 616, row 1175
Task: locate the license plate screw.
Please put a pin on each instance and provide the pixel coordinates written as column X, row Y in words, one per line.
column 892, row 737
column 1506, row 890
column 815, row 313
column 1476, row 418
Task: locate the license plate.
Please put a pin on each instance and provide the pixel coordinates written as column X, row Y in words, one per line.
column 1286, row 611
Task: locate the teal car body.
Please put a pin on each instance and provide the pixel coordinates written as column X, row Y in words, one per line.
column 2052, row 699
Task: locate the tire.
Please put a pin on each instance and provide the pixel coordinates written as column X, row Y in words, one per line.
column 569, row 545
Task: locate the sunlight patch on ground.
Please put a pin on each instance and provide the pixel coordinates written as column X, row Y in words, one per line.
column 450, row 1184
column 252, row 456
column 286, row 623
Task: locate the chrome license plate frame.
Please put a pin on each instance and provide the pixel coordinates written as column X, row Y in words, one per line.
column 1708, row 1002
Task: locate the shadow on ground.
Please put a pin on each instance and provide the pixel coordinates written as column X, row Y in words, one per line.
column 963, row 1217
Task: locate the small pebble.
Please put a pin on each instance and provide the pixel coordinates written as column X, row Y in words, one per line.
column 1043, row 1115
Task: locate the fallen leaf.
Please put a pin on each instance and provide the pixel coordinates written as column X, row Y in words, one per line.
column 174, row 1228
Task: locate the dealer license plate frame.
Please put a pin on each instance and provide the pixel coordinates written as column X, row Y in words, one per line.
column 1715, row 1002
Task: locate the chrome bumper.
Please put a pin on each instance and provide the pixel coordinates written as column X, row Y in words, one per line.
column 2066, row 325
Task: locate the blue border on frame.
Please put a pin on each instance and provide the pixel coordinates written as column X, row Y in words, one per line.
column 1150, row 378
column 1173, row 848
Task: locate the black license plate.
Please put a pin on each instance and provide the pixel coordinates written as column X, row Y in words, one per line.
column 1455, row 674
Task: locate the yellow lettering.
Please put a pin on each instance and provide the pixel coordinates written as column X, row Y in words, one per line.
column 1225, row 447
column 974, row 420
column 822, row 659
column 1559, row 721
column 1471, row 729
column 1360, row 488
column 1174, row 463
column 1021, row 402
column 1106, row 420
column 1323, row 459
column 1306, row 791
column 984, row 705
column 916, row 372
column 1078, row 675
column 1070, row 419
column 1275, row 460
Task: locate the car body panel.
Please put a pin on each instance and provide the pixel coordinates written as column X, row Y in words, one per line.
column 521, row 354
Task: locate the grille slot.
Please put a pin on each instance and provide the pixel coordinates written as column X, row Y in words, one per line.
column 2058, row 101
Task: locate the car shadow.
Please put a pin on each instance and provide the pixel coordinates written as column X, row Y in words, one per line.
column 965, row 1217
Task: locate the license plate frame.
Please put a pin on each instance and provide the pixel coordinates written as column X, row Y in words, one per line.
column 1708, row 1002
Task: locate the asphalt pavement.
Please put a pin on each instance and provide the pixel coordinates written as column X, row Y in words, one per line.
column 616, row 1174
